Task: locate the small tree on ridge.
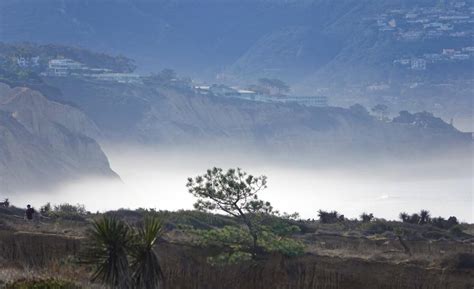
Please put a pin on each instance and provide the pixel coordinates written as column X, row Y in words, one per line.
column 233, row 192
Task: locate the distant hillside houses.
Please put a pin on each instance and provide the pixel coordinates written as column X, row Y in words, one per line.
column 444, row 56
column 313, row 100
column 220, row 90
column 63, row 67
column 453, row 19
column 27, row 62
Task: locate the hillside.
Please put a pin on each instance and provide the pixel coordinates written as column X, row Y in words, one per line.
column 166, row 112
column 411, row 55
column 44, row 143
column 346, row 255
column 170, row 116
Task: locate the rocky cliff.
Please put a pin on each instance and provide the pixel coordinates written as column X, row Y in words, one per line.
column 44, row 142
column 173, row 116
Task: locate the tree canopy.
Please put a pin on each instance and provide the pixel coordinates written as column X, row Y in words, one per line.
column 234, row 192
column 274, row 84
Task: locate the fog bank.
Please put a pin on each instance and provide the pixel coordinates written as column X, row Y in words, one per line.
column 156, row 179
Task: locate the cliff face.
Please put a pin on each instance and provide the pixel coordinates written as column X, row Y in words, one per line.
column 166, row 116
column 186, row 268
column 43, row 142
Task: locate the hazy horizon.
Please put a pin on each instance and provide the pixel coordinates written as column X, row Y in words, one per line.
column 156, row 179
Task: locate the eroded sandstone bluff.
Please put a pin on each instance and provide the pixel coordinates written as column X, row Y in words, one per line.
column 185, row 268
column 44, row 143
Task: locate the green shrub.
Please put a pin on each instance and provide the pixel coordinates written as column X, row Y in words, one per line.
column 457, row 231
column 65, row 211
column 234, row 244
column 435, row 234
column 330, row 217
column 42, row 284
column 378, row 227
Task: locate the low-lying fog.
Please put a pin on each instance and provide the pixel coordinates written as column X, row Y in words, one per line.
column 153, row 179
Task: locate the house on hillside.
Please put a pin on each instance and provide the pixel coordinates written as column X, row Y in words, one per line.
column 223, row 90
column 418, row 64
column 119, row 77
column 313, row 100
column 26, row 62
column 247, row 94
column 202, row 89
column 63, row 67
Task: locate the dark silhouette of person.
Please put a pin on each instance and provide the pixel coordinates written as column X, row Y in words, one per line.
column 29, row 212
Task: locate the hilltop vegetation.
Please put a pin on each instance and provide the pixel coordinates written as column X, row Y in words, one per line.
column 22, row 63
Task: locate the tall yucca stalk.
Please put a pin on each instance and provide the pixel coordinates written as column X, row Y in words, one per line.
column 146, row 269
column 109, row 241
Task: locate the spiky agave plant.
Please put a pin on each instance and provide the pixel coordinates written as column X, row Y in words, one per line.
column 106, row 249
column 146, row 269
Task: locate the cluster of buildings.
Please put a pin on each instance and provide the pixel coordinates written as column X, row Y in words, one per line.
column 27, row 62
column 65, row 67
column 446, row 55
column 452, row 18
column 220, row 90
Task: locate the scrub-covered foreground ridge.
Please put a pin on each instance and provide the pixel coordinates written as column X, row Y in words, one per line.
column 245, row 243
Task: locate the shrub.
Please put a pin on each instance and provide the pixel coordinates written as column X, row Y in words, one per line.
column 42, row 284
column 465, row 261
column 460, row 261
column 235, row 244
column 378, row 227
column 106, row 249
column 112, row 242
column 71, row 209
column 442, row 223
column 66, row 211
column 46, row 209
column 457, row 231
column 330, row 217
column 366, row 218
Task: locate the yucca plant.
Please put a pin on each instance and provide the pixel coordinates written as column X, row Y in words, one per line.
column 146, row 269
column 109, row 241
column 425, row 217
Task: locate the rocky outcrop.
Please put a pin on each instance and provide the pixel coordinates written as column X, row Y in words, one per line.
column 43, row 143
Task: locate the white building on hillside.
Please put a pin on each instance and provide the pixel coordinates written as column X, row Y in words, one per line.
column 119, row 77
column 63, row 67
column 418, row 64
column 314, row 100
column 25, row 62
